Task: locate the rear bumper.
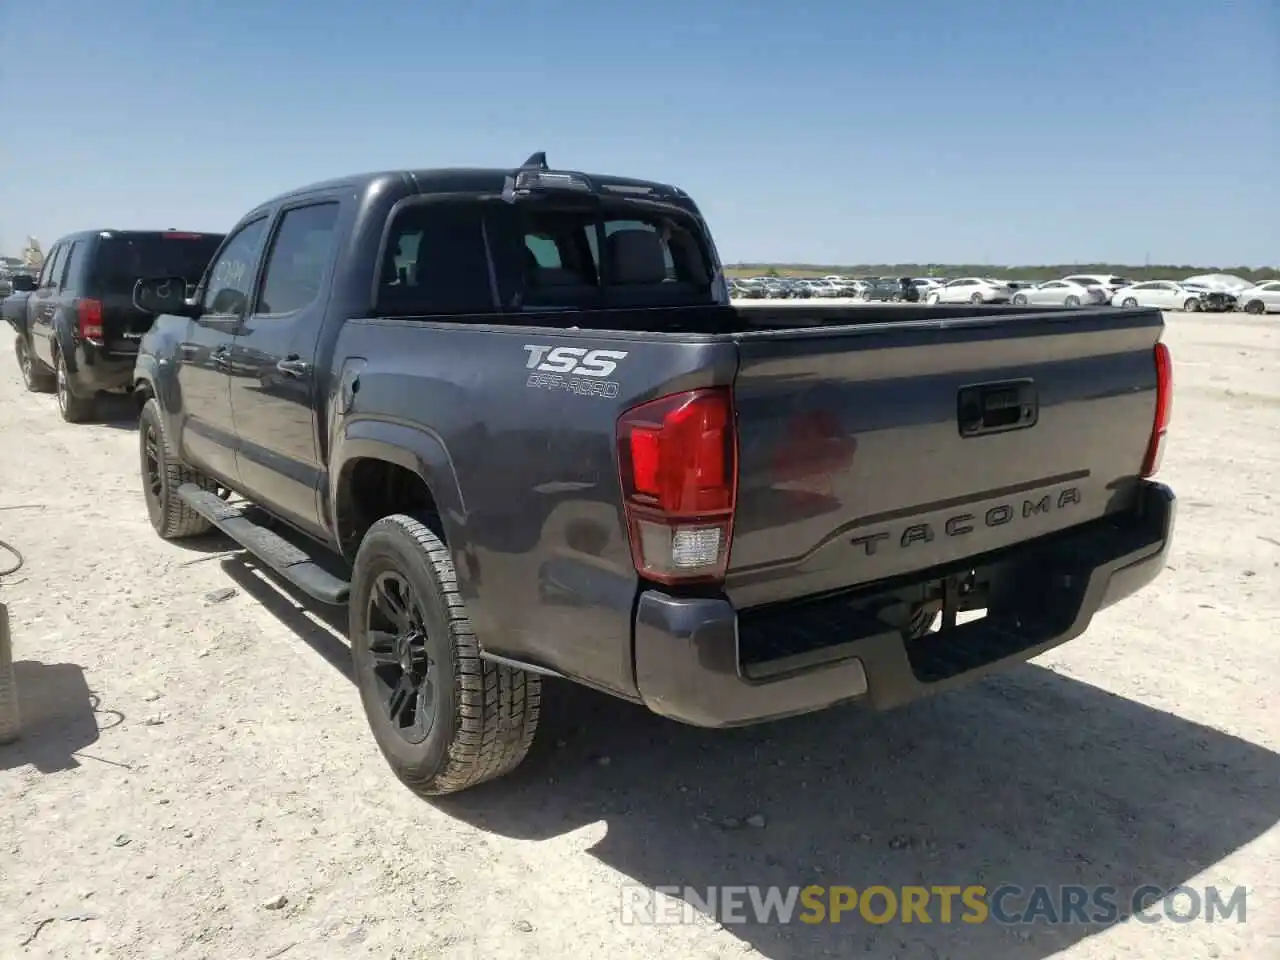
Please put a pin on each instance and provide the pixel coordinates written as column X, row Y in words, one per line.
column 96, row 370
column 694, row 656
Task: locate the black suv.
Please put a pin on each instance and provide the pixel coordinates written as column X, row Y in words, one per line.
column 78, row 329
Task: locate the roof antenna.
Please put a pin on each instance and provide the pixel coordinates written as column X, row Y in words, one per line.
column 537, row 161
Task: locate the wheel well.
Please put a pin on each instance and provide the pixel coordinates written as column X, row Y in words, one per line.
column 371, row 489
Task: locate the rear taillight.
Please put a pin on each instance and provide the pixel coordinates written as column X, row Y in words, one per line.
column 89, row 315
column 678, row 458
column 1164, row 408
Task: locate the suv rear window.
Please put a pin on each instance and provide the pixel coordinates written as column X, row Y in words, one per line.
column 123, row 259
column 457, row 257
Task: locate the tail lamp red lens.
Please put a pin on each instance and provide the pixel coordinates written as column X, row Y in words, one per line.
column 89, row 317
column 679, row 463
column 1164, row 410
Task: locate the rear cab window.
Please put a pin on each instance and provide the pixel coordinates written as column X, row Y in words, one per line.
column 121, row 259
column 490, row 256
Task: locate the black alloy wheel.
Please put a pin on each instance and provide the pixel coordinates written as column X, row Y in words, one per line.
column 403, row 668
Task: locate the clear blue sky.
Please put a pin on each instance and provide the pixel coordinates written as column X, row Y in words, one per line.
column 917, row 131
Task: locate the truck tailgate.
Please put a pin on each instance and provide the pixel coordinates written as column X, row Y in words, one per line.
column 869, row 453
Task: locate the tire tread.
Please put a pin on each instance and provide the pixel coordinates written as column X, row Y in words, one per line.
column 497, row 707
column 179, row 520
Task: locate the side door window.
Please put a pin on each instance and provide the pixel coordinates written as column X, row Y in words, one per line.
column 72, row 274
column 229, row 281
column 298, row 260
column 52, row 264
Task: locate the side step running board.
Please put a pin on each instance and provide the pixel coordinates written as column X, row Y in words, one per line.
column 272, row 549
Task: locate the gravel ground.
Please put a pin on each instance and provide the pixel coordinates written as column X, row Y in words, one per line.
column 196, row 779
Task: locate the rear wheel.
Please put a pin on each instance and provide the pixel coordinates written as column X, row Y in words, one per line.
column 1192, row 305
column 976, row 299
column 444, row 718
column 1020, row 299
column 1072, row 301
column 1129, row 302
column 73, row 409
column 932, row 298
column 162, row 474
column 1255, row 306
column 35, row 377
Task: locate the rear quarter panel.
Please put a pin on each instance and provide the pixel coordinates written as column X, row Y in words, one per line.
column 535, row 524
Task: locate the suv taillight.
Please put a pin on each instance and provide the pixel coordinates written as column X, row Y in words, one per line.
column 678, row 457
column 1164, row 409
column 89, row 315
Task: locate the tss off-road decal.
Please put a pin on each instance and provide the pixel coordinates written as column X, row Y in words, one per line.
column 575, row 369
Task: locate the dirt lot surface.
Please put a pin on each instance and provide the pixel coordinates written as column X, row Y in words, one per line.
column 196, row 779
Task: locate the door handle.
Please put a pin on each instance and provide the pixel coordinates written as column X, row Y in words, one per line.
column 293, row 367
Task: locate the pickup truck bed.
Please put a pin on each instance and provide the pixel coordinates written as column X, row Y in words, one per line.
column 726, row 514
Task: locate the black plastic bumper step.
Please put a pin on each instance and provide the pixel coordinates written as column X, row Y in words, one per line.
column 292, row 563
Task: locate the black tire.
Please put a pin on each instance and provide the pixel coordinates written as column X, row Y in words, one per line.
column 976, row 299
column 72, row 408
column 474, row 719
column 34, row 376
column 162, row 474
column 1072, row 301
column 1129, row 302
column 1255, row 307
column 1019, row 299
column 1192, row 305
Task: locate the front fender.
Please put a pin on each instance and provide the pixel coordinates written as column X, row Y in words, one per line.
column 146, row 373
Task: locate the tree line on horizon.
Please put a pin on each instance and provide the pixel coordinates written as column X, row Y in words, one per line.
column 1155, row 271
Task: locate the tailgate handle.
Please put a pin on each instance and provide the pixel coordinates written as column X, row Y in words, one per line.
column 997, row 407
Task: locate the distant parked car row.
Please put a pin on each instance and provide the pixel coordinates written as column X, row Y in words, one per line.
column 888, row 289
column 1077, row 290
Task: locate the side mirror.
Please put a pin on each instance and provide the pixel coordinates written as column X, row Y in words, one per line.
column 23, row 283
column 163, row 295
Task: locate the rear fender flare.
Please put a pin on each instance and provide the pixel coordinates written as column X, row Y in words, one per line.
column 419, row 451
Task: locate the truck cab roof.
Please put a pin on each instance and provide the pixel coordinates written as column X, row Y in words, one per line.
column 476, row 180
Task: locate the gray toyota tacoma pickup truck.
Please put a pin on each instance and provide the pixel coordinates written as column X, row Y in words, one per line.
column 510, row 419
